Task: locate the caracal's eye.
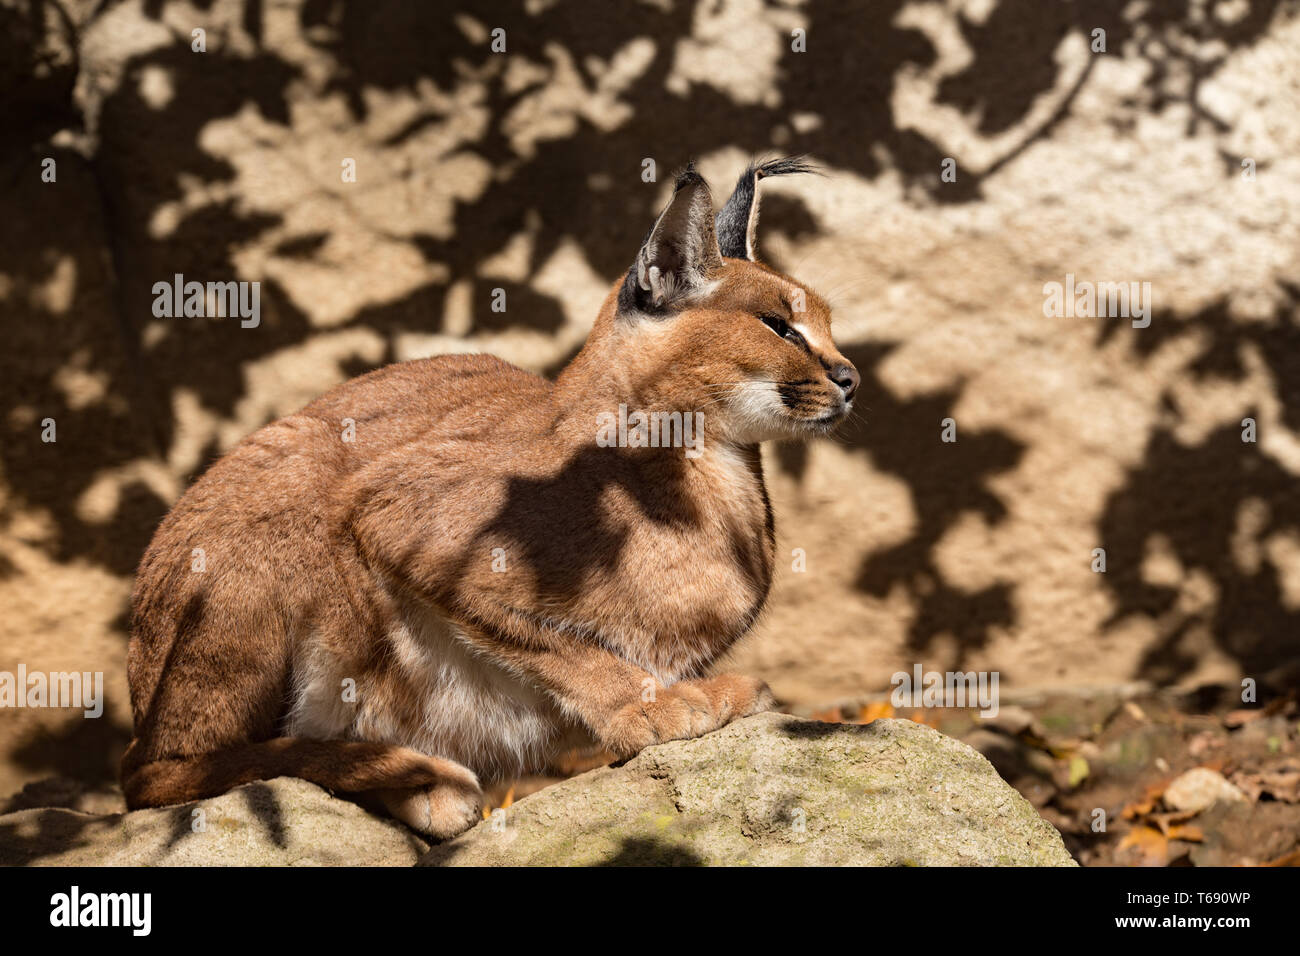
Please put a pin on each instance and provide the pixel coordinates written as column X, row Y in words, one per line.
column 783, row 328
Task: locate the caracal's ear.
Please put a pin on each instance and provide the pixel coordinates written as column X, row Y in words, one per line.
column 738, row 220
column 681, row 251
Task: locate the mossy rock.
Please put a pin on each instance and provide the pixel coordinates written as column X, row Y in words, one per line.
column 775, row 790
column 282, row 822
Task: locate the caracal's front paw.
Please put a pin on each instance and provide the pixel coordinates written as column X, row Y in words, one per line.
column 733, row 696
column 441, row 810
column 688, row 708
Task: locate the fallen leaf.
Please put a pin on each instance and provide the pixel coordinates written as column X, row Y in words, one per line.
column 1169, row 821
column 1063, row 749
column 875, row 710
column 1289, row 859
column 1079, row 771
column 1146, row 805
column 1149, row 845
column 1187, row 833
column 1281, row 783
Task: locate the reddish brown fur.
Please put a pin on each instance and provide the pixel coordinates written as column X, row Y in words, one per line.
column 372, row 560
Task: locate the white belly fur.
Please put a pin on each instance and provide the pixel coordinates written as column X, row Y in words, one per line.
column 472, row 711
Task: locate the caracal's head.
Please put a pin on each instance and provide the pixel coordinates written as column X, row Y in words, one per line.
column 702, row 326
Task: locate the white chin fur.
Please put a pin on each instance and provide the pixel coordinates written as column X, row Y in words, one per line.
column 758, row 414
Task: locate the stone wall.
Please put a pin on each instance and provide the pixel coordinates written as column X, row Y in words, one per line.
column 523, row 171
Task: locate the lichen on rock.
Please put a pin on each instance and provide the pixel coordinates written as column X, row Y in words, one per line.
column 768, row 790
column 775, row 790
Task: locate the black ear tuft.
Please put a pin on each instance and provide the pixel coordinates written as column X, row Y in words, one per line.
column 783, row 167
column 737, row 223
column 687, row 177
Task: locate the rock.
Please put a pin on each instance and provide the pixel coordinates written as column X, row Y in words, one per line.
column 771, row 790
column 1013, row 721
column 1198, row 789
column 283, row 822
column 70, row 794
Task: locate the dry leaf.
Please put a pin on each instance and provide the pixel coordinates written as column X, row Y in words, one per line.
column 1280, row 783
column 1147, row 804
column 1065, row 749
column 1289, row 859
column 1187, row 833
column 1149, row 846
column 1079, row 771
column 876, row 710
column 1168, row 821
